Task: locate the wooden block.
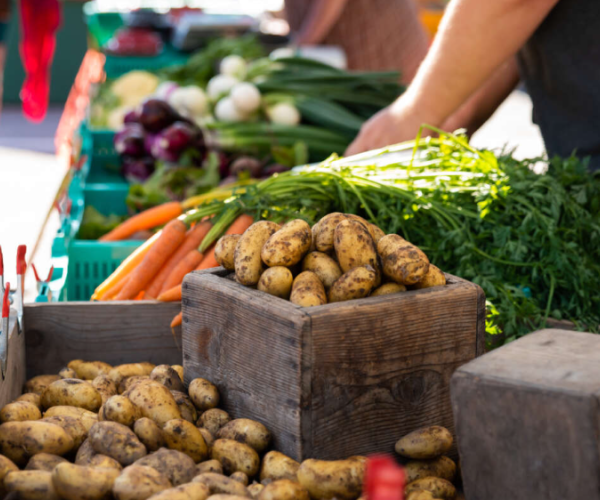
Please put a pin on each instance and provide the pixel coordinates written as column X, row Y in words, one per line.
column 336, row 380
column 11, row 384
column 114, row 332
column 528, row 419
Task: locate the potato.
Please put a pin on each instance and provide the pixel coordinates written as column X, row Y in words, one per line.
column 179, row 370
column 235, row 456
column 276, row 281
column 105, row 386
column 388, row 288
column 323, row 266
column 203, row 394
column 80, row 482
column 127, row 382
column 255, row 489
column 85, row 453
column 342, row 479
column 354, row 284
column 44, row 461
column 104, row 462
column 246, row 431
column 209, row 439
column 120, row 409
column 89, row 370
column 247, row 257
column 88, row 418
column 154, row 400
column 443, row 467
column 186, row 407
column 287, row 246
column 439, row 488
column 21, row 440
column 190, row 491
column 149, row 433
column 326, row 230
column 240, row 477
column 38, row 384
column 181, row 435
column 375, row 232
column 31, row 485
column 209, row 466
column 72, row 392
column 120, row 372
column 178, row 467
column 420, row 495
column 424, row 443
column 313, row 237
column 116, row 441
column 139, row 482
column 73, row 426
column 434, row 277
column 19, row 411
column 168, row 377
column 6, row 466
column 213, row 420
column 30, row 397
column 284, row 489
column 354, row 246
column 225, row 250
column 276, row 466
column 402, row 261
column 217, row 483
column 67, row 373
column 308, row 291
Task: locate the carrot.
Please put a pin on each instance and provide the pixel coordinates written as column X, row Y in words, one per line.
column 170, row 239
column 177, row 320
column 112, row 292
column 192, row 240
column 186, row 265
column 172, row 295
column 148, row 219
column 140, row 296
column 209, row 260
column 127, row 266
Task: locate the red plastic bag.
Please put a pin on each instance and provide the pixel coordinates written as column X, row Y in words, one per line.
column 384, row 479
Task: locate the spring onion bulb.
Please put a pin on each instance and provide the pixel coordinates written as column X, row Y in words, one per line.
column 284, row 114
column 189, row 101
column 226, row 111
column 234, row 66
column 246, row 97
column 219, row 86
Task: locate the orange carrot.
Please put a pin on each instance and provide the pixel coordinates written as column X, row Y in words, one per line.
column 177, row 320
column 171, row 238
column 112, row 292
column 188, row 264
column 209, row 260
column 192, row 241
column 148, row 219
column 128, row 265
column 240, row 224
column 172, row 295
column 140, row 296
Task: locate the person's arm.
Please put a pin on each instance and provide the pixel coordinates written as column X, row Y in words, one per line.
column 476, row 37
column 323, row 14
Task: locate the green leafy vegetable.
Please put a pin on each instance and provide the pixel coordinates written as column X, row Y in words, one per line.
column 94, row 224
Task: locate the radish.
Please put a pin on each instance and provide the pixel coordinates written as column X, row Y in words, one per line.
column 220, row 85
column 246, row 97
column 233, row 66
column 284, row 114
column 226, row 111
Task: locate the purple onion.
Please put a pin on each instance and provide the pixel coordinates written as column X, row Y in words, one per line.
column 137, row 169
column 132, row 117
column 246, row 164
column 157, row 115
column 172, row 141
column 130, row 140
column 149, row 142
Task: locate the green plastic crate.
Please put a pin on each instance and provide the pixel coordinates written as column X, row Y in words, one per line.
column 116, row 66
column 99, row 143
column 101, row 25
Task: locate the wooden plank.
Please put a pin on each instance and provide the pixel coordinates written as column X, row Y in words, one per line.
column 114, row 332
column 11, row 384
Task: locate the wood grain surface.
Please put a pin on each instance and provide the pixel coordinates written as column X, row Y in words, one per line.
column 12, row 382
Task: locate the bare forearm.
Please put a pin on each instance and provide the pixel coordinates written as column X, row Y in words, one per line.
column 319, row 21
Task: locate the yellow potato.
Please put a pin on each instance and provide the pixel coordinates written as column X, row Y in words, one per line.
column 308, row 291
column 186, row 407
column 240, row 477
column 88, row 418
column 116, row 441
column 67, row 373
column 247, row 259
column 213, row 420
column 425, row 443
column 276, row 281
column 179, row 434
column 402, row 261
column 287, row 246
column 104, row 461
column 434, row 277
column 209, row 439
column 38, row 384
column 342, row 479
column 420, row 495
column 190, row 491
column 323, row 266
column 31, row 397
column 139, row 482
column 284, row 489
column 105, row 386
column 120, row 409
column 178, row 467
column 89, row 370
column 85, row 453
column 154, row 400
column 439, row 488
column 72, row 392
column 6, row 466
column 326, row 230
column 313, row 237
column 73, row 426
column 120, row 372
column 388, row 288
column 168, row 377
column 354, row 246
column 31, row 485
column 21, row 440
column 354, row 284
column 375, row 232
column 127, row 382
column 225, row 250
column 235, row 456
column 224, row 496
column 209, row 466
column 20, row 411
column 217, row 483
column 276, row 466
column 149, row 433
column 80, row 482
column 443, row 467
column 203, row 394
column 44, row 461
column 246, row 431
column 179, row 369
column 255, row 490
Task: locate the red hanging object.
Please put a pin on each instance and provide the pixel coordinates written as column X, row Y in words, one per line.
column 40, row 20
column 384, row 479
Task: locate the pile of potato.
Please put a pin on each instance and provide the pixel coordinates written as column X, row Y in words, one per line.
column 342, row 257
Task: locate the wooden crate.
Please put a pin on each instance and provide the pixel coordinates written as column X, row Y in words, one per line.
column 335, row 380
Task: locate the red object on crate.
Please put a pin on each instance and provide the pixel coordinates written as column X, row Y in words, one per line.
column 5, row 303
column 384, row 479
column 134, row 42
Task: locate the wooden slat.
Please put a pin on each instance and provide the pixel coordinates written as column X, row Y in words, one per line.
column 12, row 383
